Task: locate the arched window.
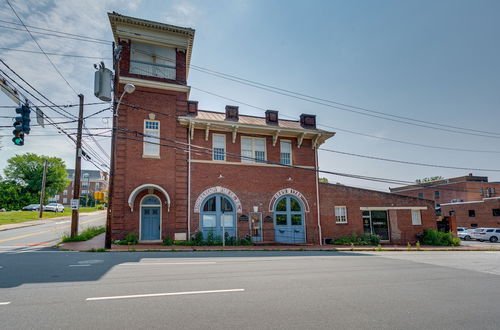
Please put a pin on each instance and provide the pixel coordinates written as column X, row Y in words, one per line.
column 150, row 200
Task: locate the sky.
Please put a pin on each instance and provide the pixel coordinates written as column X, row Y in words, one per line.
column 434, row 61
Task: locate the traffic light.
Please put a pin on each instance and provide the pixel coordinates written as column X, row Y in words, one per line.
column 21, row 125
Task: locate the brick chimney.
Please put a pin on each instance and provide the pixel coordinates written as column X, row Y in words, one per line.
column 308, row 121
column 192, row 107
column 232, row 112
column 271, row 117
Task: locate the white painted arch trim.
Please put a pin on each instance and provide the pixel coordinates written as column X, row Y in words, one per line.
column 385, row 208
column 136, row 191
column 291, row 192
column 217, row 190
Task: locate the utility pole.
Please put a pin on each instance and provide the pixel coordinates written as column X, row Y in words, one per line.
column 42, row 192
column 78, row 171
column 116, row 68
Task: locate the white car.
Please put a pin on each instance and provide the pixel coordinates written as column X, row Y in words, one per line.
column 54, row 207
column 487, row 234
column 464, row 233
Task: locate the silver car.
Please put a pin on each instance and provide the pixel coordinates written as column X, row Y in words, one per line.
column 464, row 233
column 54, row 207
column 487, row 234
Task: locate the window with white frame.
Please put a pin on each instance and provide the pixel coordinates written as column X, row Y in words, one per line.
column 286, row 152
column 65, row 200
column 340, row 214
column 416, row 218
column 253, row 150
column 65, row 192
column 151, row 138
column 152, row 61
column 219, row 147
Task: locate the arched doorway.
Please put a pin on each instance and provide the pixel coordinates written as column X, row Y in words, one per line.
column 150, row 218
column 289, row 220
column 218, row 212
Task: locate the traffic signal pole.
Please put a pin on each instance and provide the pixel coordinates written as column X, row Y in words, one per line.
column 78, row 170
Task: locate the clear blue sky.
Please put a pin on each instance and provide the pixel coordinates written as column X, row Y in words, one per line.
column 430, row 60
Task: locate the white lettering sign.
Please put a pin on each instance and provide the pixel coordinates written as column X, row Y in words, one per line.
column 288, row 191
column 75, row 204
column 217, row 190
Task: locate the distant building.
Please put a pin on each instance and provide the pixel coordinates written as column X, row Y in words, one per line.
column 459, row 189
column 90, row 182
column 482, row 213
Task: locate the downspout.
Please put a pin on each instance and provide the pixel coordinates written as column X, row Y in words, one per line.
column 189, row 184
column 317, row 195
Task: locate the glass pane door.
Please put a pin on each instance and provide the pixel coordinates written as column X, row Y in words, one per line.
column 380, row 224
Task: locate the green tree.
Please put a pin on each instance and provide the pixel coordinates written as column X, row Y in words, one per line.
column 429, row 179
column 14, row 197
column 27, row 171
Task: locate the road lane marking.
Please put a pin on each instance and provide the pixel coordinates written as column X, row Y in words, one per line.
column 163, row 294
column 44, row 231
column 81, row 265
column 166, row 263
column 5, row 303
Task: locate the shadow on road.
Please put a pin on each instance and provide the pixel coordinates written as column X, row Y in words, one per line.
column 48, row 265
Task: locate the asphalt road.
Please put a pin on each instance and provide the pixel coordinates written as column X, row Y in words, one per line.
column 250, row 290
column 44, row 236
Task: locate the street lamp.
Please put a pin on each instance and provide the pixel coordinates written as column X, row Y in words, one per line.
column 128, row 89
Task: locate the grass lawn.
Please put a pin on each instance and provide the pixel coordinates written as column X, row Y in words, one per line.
column 23, row 216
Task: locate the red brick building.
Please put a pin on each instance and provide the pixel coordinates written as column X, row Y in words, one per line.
column 483, row 213
column 91, row 181
column 459, row 189
column 180, row 170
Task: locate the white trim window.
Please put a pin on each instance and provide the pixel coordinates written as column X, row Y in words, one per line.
column 219, row 147
column 340, row 214
column 286, row 152
column 253, row 150
column 65, row 200
column 151, row 147
column 416, row 218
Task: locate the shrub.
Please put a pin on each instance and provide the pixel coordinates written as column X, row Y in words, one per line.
column 439, row 238
column 130, row 239
column 168, row 241
column 100, row 207
column 366, row 239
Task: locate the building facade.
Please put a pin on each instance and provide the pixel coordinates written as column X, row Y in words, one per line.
column 474, row 214
column 180, row 170
column 459, row 189
column 91, row 181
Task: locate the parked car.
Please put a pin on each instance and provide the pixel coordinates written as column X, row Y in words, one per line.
column 32, row 207
column 54, row 207
column 485, row 234
column 465, row 234
column 474, row 234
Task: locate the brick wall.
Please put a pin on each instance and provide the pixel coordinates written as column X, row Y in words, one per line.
column 400, row 224
column 483, row 214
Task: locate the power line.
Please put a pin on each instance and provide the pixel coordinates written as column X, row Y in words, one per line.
column 351, row 131
column 56, row 35
column 65, row 33
column 53, row 65
column 321, row 101
column 408, row 162
column 59, row 105
column 55, row 54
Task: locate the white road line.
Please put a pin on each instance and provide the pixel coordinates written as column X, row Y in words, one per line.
column 163, row 294
column 166, row 263
column 5, row 303
column 81, row 265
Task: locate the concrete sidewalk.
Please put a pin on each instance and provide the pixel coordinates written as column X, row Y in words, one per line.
column 98, row 243
column 30, row 223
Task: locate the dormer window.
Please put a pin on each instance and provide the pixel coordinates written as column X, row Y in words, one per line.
column 152, row 61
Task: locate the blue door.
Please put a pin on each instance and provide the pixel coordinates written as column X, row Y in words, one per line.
column 150, row 218
column 218, row 214
column 289, row 220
